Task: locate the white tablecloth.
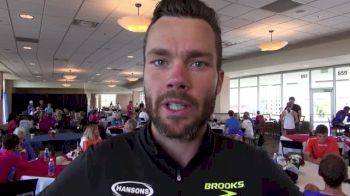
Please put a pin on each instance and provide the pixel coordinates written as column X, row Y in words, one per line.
column 309, row 174
column 43, row 182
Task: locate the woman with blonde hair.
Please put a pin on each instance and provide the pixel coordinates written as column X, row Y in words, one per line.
column 90, row 137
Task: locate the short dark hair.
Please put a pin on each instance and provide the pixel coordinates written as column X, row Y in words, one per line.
column 230, row 112
column 9, row 142
column 321, row 129
column 346, row 108
column 189, row 9
column 292, row 98
column 333, row 170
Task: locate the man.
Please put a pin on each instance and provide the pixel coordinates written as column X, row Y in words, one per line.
column 289, row 119
column 130, row 126
column 232, row 122
column 334, row 171
column 42, row 105
column 338, row 121
column 296, row 108
column 176, row 153
column 30, row 108
column 321, row 145
column 49, row 109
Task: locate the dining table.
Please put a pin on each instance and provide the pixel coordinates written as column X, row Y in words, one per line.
column 38, row 169
column 309, row 174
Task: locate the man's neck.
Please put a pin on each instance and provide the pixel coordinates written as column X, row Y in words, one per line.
column 333, row 191
column 182, row 151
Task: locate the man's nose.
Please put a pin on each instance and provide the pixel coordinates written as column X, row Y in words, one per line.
column 178, row 78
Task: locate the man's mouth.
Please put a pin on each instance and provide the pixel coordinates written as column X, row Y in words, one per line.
column 175, row 106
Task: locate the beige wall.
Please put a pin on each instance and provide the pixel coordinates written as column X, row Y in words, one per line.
column 48, row 91
column 124, row 99
column 136, row 97
column 222, row 103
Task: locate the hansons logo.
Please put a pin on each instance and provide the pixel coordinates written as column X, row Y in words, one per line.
column 125, row 188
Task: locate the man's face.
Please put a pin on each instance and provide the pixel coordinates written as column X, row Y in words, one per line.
column 180, row 76
column 322, row 137
column 291, row 101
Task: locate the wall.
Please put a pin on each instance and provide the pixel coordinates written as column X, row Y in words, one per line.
column 222, row 103
column 136, row 97
column 124, row 99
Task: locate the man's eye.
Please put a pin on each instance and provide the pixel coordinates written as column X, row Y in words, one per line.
column 199, row 64
column 159, row 62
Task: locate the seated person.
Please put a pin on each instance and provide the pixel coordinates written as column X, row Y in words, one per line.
column 232, row 122
column 90, row 137
column 338, row 121
column 334, row 171
column 321, row 145
column 248, row 126
column 21, row 133
column 12, row 122
column 46, row 123
column 10, row 161
column 130, row 126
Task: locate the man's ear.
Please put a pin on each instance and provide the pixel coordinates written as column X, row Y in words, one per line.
column 220, row 81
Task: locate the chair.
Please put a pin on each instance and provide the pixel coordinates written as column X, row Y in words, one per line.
column 293, row 145
column 18, row 187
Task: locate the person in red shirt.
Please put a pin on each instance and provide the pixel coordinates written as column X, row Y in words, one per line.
column 321, row 145
column 10, row 161
column 90, row 137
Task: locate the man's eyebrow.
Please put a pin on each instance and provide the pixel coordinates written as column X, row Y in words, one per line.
column 198, row 53
column 158, row 51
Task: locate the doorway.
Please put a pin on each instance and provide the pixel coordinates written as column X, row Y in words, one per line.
column 322, row 106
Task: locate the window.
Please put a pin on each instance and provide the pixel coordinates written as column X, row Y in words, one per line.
column 107, row 99
column 248, row 95
column 342, row 76
column 296, row 84
column 234, row 95
column 322, row 78
column 270, row 95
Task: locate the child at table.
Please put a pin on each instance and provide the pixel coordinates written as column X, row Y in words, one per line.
column 10, row 161
column 90, row 137
column 334, row 171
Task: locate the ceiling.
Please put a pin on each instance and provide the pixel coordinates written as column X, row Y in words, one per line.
column 97, row 50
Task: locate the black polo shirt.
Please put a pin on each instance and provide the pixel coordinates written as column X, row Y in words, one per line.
column 132, row 164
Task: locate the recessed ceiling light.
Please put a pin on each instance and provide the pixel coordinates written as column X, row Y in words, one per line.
column 27, row 47
column 38, row 76
column 246, row 73
column 26, row 16
column 306, row 65
column 98, row 74
column 130, row 57
column 32, row 64
column 109, row 68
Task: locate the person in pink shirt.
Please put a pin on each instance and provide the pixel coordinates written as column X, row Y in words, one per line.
column 47, row 122
column 12, row 122
column 9, row 160
column 130, row 109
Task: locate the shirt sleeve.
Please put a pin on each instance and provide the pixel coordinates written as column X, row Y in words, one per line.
column 308, row 147
column 334, row 148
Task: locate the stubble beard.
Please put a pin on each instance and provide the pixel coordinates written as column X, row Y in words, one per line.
column 190, row 131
